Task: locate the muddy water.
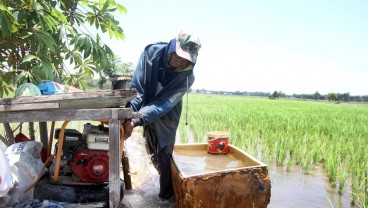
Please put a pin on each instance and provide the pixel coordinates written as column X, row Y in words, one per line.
column 145, row 179
column 289, row 188
column 194, row 162
column 294, row 189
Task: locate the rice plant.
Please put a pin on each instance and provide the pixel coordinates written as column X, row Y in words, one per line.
column 289, row 132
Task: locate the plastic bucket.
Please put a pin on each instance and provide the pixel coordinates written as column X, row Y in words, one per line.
column 218, row 142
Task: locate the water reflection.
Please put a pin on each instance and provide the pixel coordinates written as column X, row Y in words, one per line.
column 294, row 189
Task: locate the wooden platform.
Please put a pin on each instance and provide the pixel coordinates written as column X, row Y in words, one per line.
column 76, row 100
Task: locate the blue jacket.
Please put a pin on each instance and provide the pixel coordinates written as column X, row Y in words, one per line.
column 160, row 91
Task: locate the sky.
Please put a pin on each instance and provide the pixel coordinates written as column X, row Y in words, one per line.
column 292, row 46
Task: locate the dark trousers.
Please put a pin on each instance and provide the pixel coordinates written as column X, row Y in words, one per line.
column 160, row 158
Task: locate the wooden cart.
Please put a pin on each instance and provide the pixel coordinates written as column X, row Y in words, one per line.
column 98, row 106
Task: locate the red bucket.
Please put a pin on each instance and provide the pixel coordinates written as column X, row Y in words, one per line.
column 218, row 142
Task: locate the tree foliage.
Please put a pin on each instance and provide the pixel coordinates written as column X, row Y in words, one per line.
column 49, row 40
column 118, row 68
column 331, row 96
column 274, row 95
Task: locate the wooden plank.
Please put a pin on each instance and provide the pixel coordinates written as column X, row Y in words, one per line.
column 83, row 205
column 63, row 115
column 114, row 160
column 31, row 131
column 23, row 107
column 74, row 181
column 77, row 100
column 93, row 103
column 70, row 96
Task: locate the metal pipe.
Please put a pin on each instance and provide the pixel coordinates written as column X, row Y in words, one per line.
column 59, row 151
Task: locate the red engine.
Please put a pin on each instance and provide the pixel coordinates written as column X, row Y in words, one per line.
column 91, row 166
column 84, row 155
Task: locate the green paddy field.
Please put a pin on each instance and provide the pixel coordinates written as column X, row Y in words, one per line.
column 289, row 132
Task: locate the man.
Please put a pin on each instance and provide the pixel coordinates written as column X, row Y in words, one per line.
column 163, row 75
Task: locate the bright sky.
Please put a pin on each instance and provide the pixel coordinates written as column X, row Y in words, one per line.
column 293, row 46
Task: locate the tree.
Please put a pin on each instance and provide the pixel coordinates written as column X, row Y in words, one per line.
column 101, row 82
column 126, row 69
column 317, row 96
column 48, row 40
column 331, row 96
column 343, row 97
column 118, row 68
column 274, row 95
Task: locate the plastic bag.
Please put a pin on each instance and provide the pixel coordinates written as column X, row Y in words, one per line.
column 51, row 88
column 25, row 165
column 20, row 137
column 6, row 181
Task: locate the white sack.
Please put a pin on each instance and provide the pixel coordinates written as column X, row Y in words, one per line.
column 6, row 181
column 25, row 164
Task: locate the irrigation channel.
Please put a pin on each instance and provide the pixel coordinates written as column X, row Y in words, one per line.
column 290, row 188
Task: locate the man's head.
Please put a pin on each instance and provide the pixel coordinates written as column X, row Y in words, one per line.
column 176, row 61
column 187, row 46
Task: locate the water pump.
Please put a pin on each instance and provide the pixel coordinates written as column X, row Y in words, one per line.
column 85, row 156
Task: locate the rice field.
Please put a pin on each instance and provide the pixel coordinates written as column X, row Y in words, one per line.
column 289, row 132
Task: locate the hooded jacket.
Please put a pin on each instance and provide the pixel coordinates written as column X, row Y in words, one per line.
column 160, row 91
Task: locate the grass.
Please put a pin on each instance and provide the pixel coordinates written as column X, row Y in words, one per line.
column 287, row 132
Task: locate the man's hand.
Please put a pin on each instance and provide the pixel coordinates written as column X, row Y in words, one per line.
column 128, row 128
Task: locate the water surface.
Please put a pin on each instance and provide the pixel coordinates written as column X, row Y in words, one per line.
column 194, row 162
